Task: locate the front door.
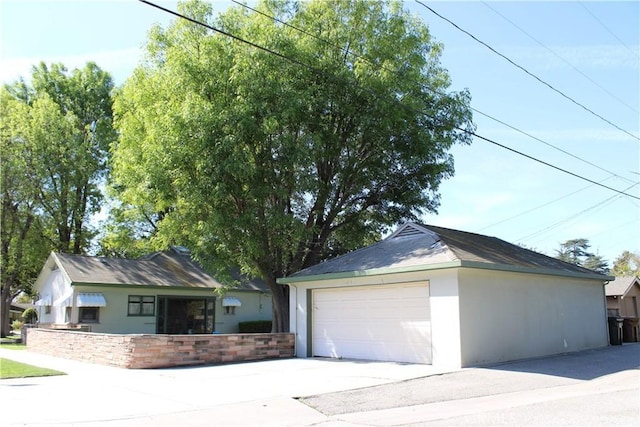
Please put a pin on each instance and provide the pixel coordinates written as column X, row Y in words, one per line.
column 185, row 315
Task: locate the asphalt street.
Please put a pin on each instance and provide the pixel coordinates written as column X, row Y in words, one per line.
column 596, row 387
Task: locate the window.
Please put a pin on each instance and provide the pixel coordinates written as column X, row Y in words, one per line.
column 142, row 305
column 88, row 314
column 230, row 309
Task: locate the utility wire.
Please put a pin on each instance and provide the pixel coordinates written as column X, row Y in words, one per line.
column 297, row 62
column 576, row 69
column 635, row 54
column 360, row 56
column 528, row 72
column 559, row 223
column 534, row 208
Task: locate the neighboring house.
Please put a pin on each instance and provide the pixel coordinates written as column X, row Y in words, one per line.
column 448, row 298
column 623, row 297
column 164, row 293
column 623, row 300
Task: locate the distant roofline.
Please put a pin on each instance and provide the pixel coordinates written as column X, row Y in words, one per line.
column 443, row 266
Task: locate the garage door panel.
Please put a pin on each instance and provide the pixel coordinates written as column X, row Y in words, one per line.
column 390, row 322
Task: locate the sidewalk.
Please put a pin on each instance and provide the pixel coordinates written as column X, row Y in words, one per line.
column 595, row 387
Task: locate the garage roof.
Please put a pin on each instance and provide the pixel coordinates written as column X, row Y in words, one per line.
column 417, row 246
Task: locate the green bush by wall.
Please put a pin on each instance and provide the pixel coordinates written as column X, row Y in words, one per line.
column 255, row 326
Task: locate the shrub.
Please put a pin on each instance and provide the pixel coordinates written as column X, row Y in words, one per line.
column 30, row 315
column 16, row 325
column 255, row 326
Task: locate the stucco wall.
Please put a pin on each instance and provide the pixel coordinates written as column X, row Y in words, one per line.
column 445, row 335
column 114, row 318
column 53, row 289
column 156, row 351
column 255, row 306
column 508, row 316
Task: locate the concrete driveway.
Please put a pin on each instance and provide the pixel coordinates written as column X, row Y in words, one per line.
column 546, row 391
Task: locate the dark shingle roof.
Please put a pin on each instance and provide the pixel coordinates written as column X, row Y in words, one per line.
column 414, row 245
column 164, row 269
column 620, row 286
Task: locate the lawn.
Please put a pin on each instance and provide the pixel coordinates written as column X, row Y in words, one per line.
column 12, row 369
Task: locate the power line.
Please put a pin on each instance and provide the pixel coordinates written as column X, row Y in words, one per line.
column 297, row 62
column 550, row 165
column 534, row 209
column 635, row 54
column 360, row 56
column 528, row 72
column 561, row 222
column 576, row 69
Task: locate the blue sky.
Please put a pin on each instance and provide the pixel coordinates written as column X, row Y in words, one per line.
column 588, row 50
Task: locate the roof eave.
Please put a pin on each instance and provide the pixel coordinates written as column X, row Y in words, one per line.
column 130, row 285
column 442, row 266
column 530, row 270
column 365, row 273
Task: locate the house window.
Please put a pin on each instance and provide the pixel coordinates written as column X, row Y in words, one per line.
column 88, row 314
column 230, row 310
column 142, row 305
column 47, row 309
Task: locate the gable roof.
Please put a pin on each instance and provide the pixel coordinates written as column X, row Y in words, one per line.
column 621, row 286
column 417, row 246
column 173, row 268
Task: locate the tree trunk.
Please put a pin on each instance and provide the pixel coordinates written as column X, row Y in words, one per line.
column 5, row 308
column 280, row 306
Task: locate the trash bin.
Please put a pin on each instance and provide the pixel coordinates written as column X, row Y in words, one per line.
column 630, row 329
column 615, row 330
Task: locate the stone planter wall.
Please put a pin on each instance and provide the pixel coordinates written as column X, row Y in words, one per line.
column 140, row 351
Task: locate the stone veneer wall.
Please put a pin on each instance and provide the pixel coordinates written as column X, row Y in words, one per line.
column 139, row 351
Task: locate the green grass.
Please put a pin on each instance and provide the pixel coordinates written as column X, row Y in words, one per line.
column 11, row 346
column 12, row 369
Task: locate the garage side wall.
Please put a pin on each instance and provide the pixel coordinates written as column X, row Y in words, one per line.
column 508, row 316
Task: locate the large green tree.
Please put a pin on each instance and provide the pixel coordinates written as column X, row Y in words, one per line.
column 626, row 264
column 576, row 251
column 55, row 138
column 274, row 164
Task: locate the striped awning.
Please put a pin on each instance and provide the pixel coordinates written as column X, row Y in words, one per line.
column 91, row 300
column 231, row 302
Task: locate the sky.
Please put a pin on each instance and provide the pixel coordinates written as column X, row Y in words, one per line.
column 588, row 51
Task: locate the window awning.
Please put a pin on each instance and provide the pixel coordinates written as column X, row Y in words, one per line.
column 91, row 300
column 231, row 302
column 45, row 300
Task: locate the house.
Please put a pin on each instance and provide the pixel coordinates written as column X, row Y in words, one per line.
column 623, row 300
column 163, row 293
column 444, row 297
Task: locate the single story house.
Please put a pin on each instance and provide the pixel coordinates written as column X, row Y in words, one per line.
column 164, row 293
column 623, row 301
column 449, row 298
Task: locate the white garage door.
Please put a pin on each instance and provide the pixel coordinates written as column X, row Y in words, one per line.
column 390, row 323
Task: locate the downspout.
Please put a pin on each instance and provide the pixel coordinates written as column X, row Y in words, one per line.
column 606, row 314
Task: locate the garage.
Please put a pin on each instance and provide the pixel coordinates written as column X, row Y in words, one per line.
column 386, row 323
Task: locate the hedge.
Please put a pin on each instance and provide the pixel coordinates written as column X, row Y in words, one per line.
column 255, row 326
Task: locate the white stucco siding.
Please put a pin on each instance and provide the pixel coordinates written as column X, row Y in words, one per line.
column 53, row 289
column 255, row 306
column 508, row 316
column 443, row 309
column 114, row 318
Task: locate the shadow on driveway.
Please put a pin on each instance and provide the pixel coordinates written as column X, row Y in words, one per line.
column 584, row 365
column 548, row 372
